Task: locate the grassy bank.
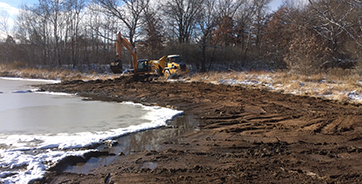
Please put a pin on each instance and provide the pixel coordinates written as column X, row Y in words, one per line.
column 338, row 86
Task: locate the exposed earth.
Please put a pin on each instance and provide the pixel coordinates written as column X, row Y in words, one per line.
column 245, row 136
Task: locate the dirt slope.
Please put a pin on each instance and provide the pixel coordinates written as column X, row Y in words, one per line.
column 247, row 136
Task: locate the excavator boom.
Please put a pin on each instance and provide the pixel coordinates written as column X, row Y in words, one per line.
column 116, row 67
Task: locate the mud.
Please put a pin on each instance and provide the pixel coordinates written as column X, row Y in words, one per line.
column 246, row 136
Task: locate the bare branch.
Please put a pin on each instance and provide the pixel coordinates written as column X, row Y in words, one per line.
column 335, row 23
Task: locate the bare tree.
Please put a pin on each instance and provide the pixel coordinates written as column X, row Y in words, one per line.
column 261, row 18
column 33, row 31
column 280, row 30
column 92, row 30
column 74, row 8
column 339, row 22
column 207, row 22
column 226, row 11
column 128, row 12
column 182, row 16
column 152, row 33
column 4, row 19
column 51, row 11
column 244, row 20
column 6, row 49
column 252, row 17
column 340, row 19
column 228, row 8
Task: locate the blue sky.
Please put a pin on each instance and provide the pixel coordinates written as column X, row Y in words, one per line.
column 275, row 4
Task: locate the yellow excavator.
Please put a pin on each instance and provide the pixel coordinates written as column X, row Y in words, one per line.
column 168, row 66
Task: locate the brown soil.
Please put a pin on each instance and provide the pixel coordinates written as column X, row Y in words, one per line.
column 246, row 136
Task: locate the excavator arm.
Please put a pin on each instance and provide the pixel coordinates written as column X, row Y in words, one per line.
column 123, row 42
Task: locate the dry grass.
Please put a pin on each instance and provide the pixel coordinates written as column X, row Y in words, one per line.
column 333, row 85
column 293, row 87
column 315, row 78
column 207, row 77
column 325, row 89
column 339, row 74
column 341, row 97
column 353, row 84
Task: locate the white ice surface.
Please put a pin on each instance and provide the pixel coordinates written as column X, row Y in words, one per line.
column 31, row 80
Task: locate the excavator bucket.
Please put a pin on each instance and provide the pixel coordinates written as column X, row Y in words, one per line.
column 116, row 67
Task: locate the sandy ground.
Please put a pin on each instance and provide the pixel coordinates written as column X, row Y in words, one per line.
column 246, row 136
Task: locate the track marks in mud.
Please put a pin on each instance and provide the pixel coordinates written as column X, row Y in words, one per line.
column 328, row 123
column 245, row 161
column 247, row 123
column 333, row 124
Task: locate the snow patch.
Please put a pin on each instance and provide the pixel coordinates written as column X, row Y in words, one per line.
column 355, row 96
column 52, row 93
column 25, row 167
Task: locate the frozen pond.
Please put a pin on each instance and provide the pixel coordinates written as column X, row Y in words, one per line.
column 39, row 129
column 26, row 113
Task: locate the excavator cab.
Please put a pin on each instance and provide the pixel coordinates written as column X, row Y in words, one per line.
column 143, row 66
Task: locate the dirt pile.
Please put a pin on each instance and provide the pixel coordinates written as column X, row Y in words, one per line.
column 247, row 136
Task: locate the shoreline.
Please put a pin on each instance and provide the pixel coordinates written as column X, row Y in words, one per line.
column 246, row 135
column 341, row 86
column 160, row 117
column 142, row 141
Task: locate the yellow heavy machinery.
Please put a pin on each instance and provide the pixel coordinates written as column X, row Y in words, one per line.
column 168, row 66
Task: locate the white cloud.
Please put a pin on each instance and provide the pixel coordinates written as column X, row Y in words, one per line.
column 9, row 9
column 10, row 14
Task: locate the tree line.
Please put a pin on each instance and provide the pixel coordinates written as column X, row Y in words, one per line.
column 307, row 37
